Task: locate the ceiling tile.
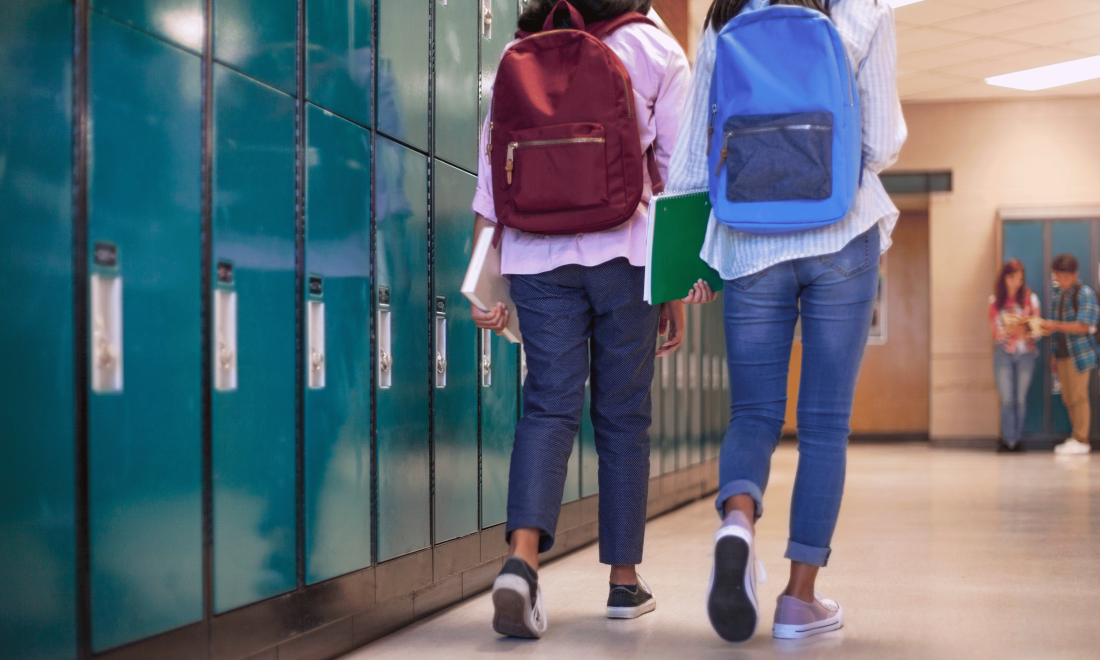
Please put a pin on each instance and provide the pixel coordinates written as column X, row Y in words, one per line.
column 989, row 47
column 932, row 59
column 928, row 13
column 1036, row 57
column 987, row 4
column 1051, row 33
column 1089, row 46
column 923, row 38
column 981, row 69
column 990, row 23
column 902, row 26
column 926, row 82
column 1089, row 20
column 1053, row 10
column 975, row 90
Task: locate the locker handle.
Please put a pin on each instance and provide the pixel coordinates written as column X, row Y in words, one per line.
column 225, row 356
column 385, row 361
column 487, row 19
column 105, row 352
column 486, row 358
column 440, row 364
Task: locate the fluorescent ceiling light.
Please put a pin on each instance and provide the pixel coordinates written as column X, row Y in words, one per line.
column 1054, row 75
column 901, row 3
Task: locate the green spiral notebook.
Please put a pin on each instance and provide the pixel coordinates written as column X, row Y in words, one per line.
column 677, row 227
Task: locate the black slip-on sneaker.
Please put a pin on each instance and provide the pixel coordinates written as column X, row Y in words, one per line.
column 630, row 603
column 518, row 610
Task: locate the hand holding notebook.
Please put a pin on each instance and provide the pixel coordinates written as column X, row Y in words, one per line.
column 484, row 286
column 677, row 228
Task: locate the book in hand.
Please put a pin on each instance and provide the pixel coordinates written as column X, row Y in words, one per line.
column 484, row 286
column 677, row 228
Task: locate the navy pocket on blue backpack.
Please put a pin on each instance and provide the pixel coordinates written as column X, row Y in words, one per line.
column 778, row 158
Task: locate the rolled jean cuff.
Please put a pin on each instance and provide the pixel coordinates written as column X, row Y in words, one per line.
column 546, row 537
column 740, row 487
column 807, row 554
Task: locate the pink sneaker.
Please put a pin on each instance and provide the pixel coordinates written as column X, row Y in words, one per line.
column 795, row 619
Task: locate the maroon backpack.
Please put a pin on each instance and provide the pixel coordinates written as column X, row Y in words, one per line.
column 563, row 134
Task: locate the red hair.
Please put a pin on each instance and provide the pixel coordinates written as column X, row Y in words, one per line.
column 1011, row 267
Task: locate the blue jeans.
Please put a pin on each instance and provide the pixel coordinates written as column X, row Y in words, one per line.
column 573, row 317
column 1013, row 374
column 836, row 295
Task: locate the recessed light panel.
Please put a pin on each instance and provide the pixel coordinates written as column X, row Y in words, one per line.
column 1054, row 75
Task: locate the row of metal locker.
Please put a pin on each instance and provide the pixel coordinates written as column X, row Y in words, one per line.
column 155, row 408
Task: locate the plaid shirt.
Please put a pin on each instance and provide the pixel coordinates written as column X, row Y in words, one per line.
column 1082, row 348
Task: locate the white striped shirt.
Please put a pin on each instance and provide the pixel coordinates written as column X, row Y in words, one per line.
column 867, row 28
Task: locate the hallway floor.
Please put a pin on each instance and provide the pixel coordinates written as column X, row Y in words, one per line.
column 938, row 554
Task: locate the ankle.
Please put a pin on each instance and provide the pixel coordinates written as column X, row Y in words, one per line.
column 801, row 594
column 626, row 576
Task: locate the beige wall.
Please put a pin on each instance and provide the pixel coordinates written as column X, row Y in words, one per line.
column 1002, row 153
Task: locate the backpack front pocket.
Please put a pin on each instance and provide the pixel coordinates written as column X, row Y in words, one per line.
column 557, row 168
column 778, row 158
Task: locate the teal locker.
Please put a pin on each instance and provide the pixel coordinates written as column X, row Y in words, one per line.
column 336, row 347
column 669, row 398
column 340, row 57
column 683, row 403
column 456, row 82
column 1073, row 237
column 499, row 411
column 589, row 458
column 402, row 329
column 403, row 33
column 454, row 408
column 253, row 341
column 1024, row 241
column 144, row 410
column 178, row 21
column 37, row 554
column 498, row 28
column 259, row 38
column 695, row 387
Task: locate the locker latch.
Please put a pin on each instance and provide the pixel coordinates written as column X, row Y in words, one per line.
column 487, row 19
column 440, row 341
column 106, row 308
column 315, row 325
column 486, row 358
column 385, row 349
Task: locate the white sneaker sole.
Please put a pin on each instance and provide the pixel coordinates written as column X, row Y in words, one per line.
column 632, row 612
column 513, row 615
column 731, row 599
column 792, row 631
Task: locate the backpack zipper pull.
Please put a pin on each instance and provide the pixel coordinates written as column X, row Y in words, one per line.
column 710, row 127
column 489, row 144
column 721, row 161
column 509, row 164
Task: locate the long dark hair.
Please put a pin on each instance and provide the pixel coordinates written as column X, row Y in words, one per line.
column 592, row 11
column 721, row 11
column 1011, row 267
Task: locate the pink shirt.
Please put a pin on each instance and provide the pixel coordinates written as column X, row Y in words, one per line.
column 660, row 76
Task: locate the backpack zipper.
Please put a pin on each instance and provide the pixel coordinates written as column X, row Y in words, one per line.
column 757, row 130
column 509, row 163
column 489, row 145
column 851, row 92
column 710, row 127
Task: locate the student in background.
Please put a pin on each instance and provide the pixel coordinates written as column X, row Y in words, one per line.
column 829, row 277
column 1074, row 314
column 581, row 313
column 1015, row 349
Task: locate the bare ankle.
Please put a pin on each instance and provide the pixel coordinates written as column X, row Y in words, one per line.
column 624, row 575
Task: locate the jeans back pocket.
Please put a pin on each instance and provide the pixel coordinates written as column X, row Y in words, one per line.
column 779, row 157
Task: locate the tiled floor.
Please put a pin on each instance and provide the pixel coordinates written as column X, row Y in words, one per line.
column 938, row 554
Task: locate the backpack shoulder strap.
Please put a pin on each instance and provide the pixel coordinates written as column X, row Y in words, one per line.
column 602, row 29
column 1075, row 293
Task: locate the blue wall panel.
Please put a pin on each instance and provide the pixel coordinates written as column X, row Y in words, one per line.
column 401, row 240
column 403, row 33
column 339, row 58
column 254, row 425
column 37, row 544
column 455, row 405
column 145, row 442
column 258, row 37
column 337, row 439
column 1024, row 241
column 178, row 21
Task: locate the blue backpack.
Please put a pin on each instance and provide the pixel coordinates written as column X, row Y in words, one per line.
column 785, row 139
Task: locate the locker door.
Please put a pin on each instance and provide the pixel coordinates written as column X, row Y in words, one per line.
column 253, row 341
column 669, row 398
column 37, row 554
column 655, row 424
column 498, row 27
column 339, row 57
column 336, row 347
column 456, row 358
column 403, row 31
column 258, row 38
column 572, row 489
column 177, row 21
column 402, row 318
column 499, row 411
column 695, row 386
column 1073, row 237
column 144, row 410
column 1024, row 241
column 589, row 459
column 683, row 403
column 456, row 82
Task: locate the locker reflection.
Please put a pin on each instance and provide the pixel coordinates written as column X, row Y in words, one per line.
column 403, row 70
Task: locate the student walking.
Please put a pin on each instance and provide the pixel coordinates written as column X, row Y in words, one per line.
column 826, row 276
column 1074, row 315
column 1015, row 348
column 578, row 291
